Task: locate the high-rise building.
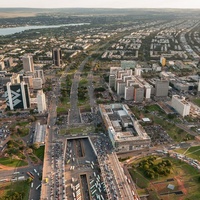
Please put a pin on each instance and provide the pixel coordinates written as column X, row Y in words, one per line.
column 28, row 65
column 180, row 105
column 161, row 88
column 17, row 95
column 128, row 93
column 2, row 66
column 40, row 74
column 8, row 62
column 198, row 88
column 57, row 56
column 138, row 94
column 41, row 101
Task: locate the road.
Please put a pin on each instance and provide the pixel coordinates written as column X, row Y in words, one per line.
column 50, row 136
column 74, row 113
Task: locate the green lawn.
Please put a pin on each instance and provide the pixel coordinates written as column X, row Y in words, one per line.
column 192, row 152
column 12, row 162
column 188, row 175
column 10, row 190
column 139, row 179
column 33, row 158
column 154, row 108
column 39, row 153
column 60, row 110
column 197, row 101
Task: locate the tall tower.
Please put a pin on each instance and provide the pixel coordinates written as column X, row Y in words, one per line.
column 28, row 63
column 17, row 95
column 57, row 56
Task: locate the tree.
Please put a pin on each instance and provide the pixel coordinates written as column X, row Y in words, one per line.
column 36, row 146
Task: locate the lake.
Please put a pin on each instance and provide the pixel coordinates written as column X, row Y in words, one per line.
column 9, row 31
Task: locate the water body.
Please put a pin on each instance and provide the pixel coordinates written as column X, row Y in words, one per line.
column 9, row 31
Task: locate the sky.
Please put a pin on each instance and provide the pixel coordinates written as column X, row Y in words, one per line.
column 101, row 3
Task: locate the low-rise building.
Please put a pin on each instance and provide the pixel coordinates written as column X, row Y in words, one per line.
column 125, row 133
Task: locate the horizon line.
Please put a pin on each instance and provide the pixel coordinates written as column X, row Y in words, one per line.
column 99, row 8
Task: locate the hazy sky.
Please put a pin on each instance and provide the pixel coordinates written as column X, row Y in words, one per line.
column 102, row 3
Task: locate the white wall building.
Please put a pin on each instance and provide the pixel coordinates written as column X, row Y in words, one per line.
column 180, row 105
column 41, row 101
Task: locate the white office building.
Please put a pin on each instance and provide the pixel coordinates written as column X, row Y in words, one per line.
column 41, row 101
column 180, row 105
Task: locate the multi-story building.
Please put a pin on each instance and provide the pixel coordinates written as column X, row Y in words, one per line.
column 37, row 83
column 41, row 102
column 180, row 105
column 40, row 74
column 8, row 62
column 57, row 56
column 161, row 88
column 28, row 65
column 2, row 65
column 138, row 94
column 125, row 133
column 17, row 95
column 28, row 80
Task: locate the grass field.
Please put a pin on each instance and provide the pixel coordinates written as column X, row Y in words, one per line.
column 192, row 152
column 40, row 153
column 9, row 189
column 197, row 101
column 184, row 177
column 12, row 162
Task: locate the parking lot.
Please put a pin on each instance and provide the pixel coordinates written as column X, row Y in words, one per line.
column 57, row 181
column 83, row 177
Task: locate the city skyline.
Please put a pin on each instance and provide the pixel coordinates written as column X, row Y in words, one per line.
column 195, row 4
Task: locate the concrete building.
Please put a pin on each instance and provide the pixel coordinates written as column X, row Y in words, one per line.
column 41, row 101
column 28, row 65
column 180, row 105
column 39, row 135
column 128, row 93
column 2, row 65
column 120, row 87
column 28, row 80
column 161, row 88
column 17, row 95
column 125, row 133
column 198, row 88
column 112, row 80
column 37, row 83
column 138, row 94
column 40, row 74
column 138, row 71
column 57, row 56
column 8, row 62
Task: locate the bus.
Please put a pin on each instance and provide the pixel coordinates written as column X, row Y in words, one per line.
column 30, row 175
column 38, row 187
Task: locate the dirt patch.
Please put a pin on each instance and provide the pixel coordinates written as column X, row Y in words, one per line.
column 181, row 186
